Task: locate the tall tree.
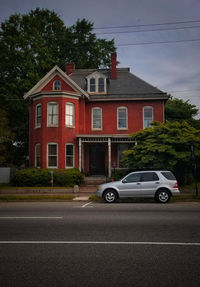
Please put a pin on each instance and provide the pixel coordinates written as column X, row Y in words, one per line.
column 180, row 110
column 30, row 45
column 164, row 146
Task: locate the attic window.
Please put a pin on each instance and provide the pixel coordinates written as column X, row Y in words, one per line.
column 57, row 85
column 96, row 83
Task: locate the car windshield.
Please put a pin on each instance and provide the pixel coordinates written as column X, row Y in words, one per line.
column 168, row 175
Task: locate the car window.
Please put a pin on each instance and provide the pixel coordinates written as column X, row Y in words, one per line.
column 135, row 177
column 149, row 176
column 168, row 175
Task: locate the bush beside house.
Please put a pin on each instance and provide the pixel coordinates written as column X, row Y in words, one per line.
column 42, row 177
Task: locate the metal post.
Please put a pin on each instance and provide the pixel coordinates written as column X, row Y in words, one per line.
column 194, row 167
column 80, row 153
column 109, row 157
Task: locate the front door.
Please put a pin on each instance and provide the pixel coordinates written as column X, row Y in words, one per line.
column 97, row 159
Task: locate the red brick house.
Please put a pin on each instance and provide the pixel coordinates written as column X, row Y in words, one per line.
column 82, row 118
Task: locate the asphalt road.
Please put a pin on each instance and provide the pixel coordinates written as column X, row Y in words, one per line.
column 96, row 244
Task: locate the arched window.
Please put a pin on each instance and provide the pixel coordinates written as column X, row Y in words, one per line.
column 52, row 119
column 147, row 116
column 69, row 115
column 38, row 116
column 57, row 85
column 92, row 85
column 101, row 85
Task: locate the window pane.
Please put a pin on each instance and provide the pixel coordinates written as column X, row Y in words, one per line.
column 52, row 114
column 122, row 118
column 37, row 155
column 69, row 117
column 92, row 85
column 148, row 117
column 97, row 118
column 38, row 115
column 149, row 176
column 69, row 155
column 57, row 85
column 52, row 155
column 101, row 85
column 133, row 177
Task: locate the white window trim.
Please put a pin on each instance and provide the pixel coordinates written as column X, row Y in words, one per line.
column 54, row 85
column 73, row 124
column 126, row 128
column 147, row 107
column 36, row 107
column 52, row 143
column 69, row 144
column 52, row 125
column 37, row 144
column 97, row 129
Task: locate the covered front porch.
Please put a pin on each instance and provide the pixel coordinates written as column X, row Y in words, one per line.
column 99, row 154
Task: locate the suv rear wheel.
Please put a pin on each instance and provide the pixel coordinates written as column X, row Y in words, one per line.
column 162, row 196
column 110, row 196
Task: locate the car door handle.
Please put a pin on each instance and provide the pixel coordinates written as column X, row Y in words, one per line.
column 138, row 183
column 157, row 182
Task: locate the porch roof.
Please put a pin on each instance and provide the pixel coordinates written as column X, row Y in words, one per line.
column 104, row 138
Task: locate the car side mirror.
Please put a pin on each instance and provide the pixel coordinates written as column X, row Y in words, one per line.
column 124, row 181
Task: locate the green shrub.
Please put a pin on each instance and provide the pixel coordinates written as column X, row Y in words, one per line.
column 118, row 174
column 42, row 177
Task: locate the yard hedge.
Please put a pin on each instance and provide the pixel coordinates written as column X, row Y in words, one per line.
column 42, row 177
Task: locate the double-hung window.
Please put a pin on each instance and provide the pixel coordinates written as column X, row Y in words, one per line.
column 92, row 85
column 69, row 115
column 52, row 155
column 101, row 85
column 147, row 116
column 52, row 119
column 96, row 118
column 37, row 155
column 69, row 156
column 122, row 118
column 38, row 116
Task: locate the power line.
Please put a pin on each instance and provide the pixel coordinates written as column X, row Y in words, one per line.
column 146, row 25
column 160, row 42
column 149, row 30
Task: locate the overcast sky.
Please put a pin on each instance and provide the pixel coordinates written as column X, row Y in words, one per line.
column 173, row 65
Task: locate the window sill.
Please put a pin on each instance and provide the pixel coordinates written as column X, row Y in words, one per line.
column 38, row 127
column 70, row 127
column 52, row 126
column 122, row 129
column 97, row 129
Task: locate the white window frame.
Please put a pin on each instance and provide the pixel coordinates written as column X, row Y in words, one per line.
column 71, row 116
column 122, row 128
column 73, row 156
column 52, row 143
column 93, row 85
column 48, row 107
column 147, row 107
column 94, row 128
column 36, row 158
column 57, row 85
column 38, row 125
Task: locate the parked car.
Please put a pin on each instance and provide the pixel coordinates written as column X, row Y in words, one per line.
column 160, row 185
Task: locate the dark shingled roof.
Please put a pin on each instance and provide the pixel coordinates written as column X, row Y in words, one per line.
column 126, row 86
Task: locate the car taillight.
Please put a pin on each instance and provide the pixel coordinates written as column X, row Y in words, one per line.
column 176, row 185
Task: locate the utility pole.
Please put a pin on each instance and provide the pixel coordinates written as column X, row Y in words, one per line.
column 194, row 167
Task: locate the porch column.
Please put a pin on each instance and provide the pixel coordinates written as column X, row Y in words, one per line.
column 80, row 153
column 109, row 157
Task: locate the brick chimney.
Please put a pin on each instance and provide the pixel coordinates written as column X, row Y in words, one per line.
column 70, row 67
column 113, row 75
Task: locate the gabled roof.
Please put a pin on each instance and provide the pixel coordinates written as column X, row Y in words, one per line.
column 54, row 71
column 125, row 86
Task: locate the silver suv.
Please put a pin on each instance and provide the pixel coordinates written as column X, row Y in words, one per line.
column 160, row 185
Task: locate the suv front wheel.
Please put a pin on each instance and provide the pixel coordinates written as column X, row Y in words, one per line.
column 162, row 196
column 110, row 196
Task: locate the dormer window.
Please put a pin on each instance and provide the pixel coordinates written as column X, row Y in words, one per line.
column 101, row 85
column 57, row 85
column 96, row 83
column 92, row 85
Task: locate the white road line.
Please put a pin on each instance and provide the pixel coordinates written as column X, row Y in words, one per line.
column 86, row 204
column 30, row 217
column 103, row 243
